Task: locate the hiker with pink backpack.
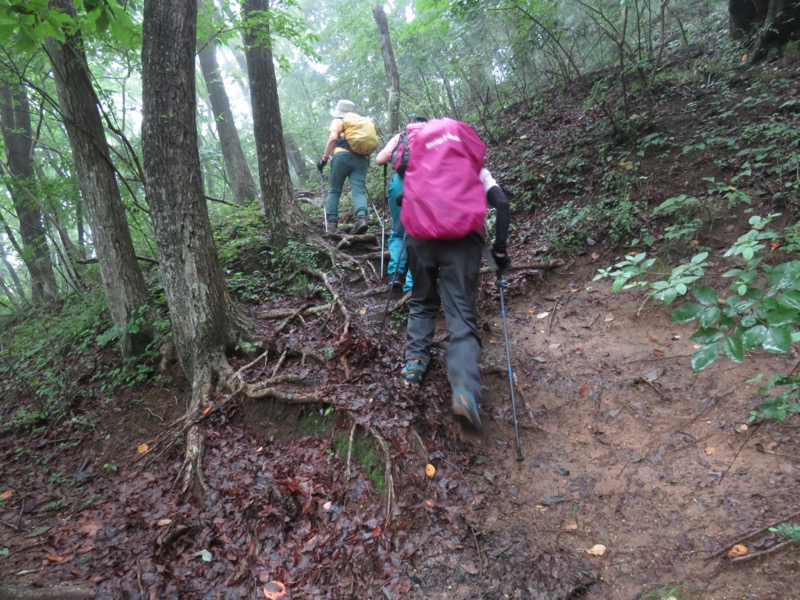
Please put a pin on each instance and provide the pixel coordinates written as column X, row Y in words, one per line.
column 351, row 139
column 445, row 192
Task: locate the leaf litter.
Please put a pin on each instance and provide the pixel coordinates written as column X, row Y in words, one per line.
column 288, row 511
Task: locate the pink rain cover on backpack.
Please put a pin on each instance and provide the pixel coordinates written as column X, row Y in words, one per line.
column 443, row 196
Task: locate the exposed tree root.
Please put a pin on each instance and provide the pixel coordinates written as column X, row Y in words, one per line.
column 419, row 446
column 544, row 265
column 389, row 495
column 754, row 534
column 345, row 367
column 348, row 240
column 375, row 255
column 337, row 301
column 63, row 592
column 400, row 303
column 763, row 553
column 279, row 364
column 335, row 254
column 373, row 291
column 291, row 317
column 213, row 374
column 280, row 313
column 190, row 477
column 350, row 450
column 280, row 395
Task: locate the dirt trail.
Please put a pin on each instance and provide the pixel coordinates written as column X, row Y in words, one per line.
column 622, row 446
column 629, row 449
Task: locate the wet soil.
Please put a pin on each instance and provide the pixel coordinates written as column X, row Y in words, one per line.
column 623, row 446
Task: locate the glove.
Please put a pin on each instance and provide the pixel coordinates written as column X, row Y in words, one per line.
column 501, row 259
column 321, row 164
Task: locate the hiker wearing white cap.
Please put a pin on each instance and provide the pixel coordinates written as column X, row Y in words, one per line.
column 348, row 162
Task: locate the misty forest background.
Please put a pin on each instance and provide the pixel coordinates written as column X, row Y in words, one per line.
column 147, row 147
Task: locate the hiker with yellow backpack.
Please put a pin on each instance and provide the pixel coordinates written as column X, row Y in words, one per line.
column 351, row 139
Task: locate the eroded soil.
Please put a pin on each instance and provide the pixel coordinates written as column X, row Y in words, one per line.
column 622, row 445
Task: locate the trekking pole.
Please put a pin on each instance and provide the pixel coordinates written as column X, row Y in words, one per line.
column 500, row 285
column 385, row 193
column 391, row 283
column 324, row 199
column 383, row 235
column 383, row 229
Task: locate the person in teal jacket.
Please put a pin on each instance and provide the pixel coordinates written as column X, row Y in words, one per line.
column 397, row 254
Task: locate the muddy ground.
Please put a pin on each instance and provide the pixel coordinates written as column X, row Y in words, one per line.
column 622, row 446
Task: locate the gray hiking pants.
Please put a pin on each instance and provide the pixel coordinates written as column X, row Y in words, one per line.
column 455, row 265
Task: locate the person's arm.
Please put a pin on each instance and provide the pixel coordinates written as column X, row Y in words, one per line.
column 498, row 200
column 385, row 155
column 333, row 135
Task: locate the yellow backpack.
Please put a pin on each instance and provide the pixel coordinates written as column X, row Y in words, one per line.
column 360, row 133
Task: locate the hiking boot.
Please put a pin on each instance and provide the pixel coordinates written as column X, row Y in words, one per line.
column 413, row 371
column 332, row 226
column 465, row 407
column 359, row 226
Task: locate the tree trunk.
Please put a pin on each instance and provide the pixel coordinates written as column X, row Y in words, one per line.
column 241, row 180
column 276, row 185
column 296, row 159
column 204, row 321
column 392, row 75
column 15, row 120
column 771, row 23
column 12, row 301
column 13, row 274
column 201, row 310
column 122, row 279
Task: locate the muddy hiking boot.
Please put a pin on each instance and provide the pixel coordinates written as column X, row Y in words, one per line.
column 333, row 226
column 413, row 371
column 465, row 408
column 359, row 226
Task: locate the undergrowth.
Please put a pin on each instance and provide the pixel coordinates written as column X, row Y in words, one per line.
column 60, row 365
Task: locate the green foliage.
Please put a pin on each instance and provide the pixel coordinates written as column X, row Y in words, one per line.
column 568, row 226
column 28, row 23
column 57, row 478
column 667, row 592
column 787, row 530
column 54, row 505
column 658, row 141
column 53, row 352
column 364, row 451
column 282, row 20
column 677, row 204
column 398, row 319
column 761, row 311
column 626, row 275
column 241, row 239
